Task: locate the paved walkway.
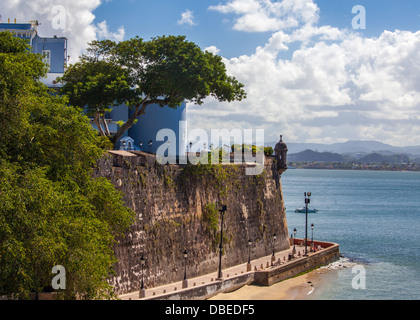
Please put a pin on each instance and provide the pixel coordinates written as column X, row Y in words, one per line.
column 260, row 263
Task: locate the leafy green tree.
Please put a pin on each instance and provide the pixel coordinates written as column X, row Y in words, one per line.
column 97, row 86
column 52, row 210
column 166, row 70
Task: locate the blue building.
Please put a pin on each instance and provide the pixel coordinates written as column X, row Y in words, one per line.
column 54, row 51
column 149, row 124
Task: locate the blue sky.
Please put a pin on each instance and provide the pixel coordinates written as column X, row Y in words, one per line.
column 308, row 74
column 148, row 18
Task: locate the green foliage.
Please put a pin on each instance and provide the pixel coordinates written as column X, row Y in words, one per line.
column 105, row 144
column 53, row 212
column 221, row 178
column 169, row 183
column 268, row 151
column 211, row 216
column 246, row 147
column 96, row 85
column 166, row 70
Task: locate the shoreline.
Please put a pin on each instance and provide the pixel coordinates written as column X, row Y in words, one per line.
column 301, row 287
column 296, row 288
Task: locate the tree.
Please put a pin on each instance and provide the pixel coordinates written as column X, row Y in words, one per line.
column 97, row 86
column 166, row 71
column 52, row 211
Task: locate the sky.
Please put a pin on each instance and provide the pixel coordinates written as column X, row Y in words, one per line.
column 321, row 71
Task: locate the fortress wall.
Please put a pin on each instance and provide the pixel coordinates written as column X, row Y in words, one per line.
column 174, row 206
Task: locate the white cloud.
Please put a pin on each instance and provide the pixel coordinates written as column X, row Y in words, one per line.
column 187, row 17
column 103, row 32
column 267, row 15
column 337, row 85
column 212, row 49
column 79, row 27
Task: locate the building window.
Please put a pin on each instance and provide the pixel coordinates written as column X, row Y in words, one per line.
column 47, row 57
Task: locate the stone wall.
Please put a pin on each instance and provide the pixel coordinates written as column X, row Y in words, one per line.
column 329, row 254
column 176, row 210
column 268, row 277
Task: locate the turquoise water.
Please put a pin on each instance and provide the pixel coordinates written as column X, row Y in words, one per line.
column 375, row 218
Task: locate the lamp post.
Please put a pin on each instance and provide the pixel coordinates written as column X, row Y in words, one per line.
column 141, row 146
column 248, row 266
column 294, row 237
column 307, row 201
column 185, row 282
column 312, row 237
column 273, row 257
column 150, row 145
column 142, row 292
column 222, row 213
column 168, row 143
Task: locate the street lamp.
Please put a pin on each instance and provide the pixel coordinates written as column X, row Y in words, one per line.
column 141, row 146
column 142, row 292
column 312, row 237
column 150, row 145
column 248, row 266
column 274, row 239
column 294, row 237
column 307, row 201
column 222, row 213
column 185, row 282
column 168, row 143
column 185, row 259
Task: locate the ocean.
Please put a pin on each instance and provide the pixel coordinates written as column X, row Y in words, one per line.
column 375, row 218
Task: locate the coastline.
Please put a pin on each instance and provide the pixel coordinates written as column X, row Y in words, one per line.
column 297, row 288
column 302, row 287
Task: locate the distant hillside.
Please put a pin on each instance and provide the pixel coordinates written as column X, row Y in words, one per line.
column 312, row 156
column 379, row 158
column 309, row 155
column 356, row 149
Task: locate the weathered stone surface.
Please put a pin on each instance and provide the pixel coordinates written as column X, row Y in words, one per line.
column 172, row 215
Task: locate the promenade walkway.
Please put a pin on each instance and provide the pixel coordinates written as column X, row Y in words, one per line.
column 262, row 263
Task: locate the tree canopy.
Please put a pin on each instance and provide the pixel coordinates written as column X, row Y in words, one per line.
column 52, row 210
column 166, row 70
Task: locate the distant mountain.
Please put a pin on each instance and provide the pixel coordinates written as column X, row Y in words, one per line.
column 309, row 155
column 355, row 149
column 379, row 158
column 312, row 156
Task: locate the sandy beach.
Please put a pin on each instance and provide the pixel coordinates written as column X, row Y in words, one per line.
column 298, row 288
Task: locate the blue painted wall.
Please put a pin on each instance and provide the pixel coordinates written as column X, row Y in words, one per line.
column 57, row 45
column 58, row 48
column 155, row 119
column 148, row 125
